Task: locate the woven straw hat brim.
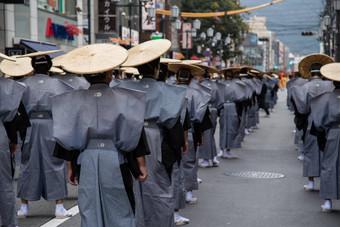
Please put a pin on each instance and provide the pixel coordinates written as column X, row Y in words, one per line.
column 146, row 52
column 169, row 60
column 94, row 58
column 39, row 53
column 331, row 71
column 20, row 67
column 130, row 70
column 56, row 70
column 305, row 64
column 208, row 68
column 195, row 70
column 234, row 69
column 191, row 62
column 57, row 61
column 6, row 57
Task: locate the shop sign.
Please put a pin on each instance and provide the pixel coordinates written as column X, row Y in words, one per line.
column 61, row 31
column 106, row 16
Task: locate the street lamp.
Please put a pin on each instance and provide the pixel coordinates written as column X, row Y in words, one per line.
column 197, row 24
column 203, row 36
column 174, row 10
column 218, row 36
column 210, row 32
column 337, row 8
column 327, row 20
column 151, row 12
column 178, row 24
column 227, row 40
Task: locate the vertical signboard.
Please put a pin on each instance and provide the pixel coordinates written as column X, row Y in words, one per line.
column 186, row 36
column 148, row 23
column 126, row 36
column 106, row 16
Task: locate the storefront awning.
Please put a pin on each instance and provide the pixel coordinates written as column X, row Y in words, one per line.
column 38, row 46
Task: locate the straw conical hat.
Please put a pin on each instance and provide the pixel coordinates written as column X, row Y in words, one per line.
column 6, row 57
column 208, row 68
column 58, row 60
column 94, row 58
column 130, row 70
column 195, row 70
column 56, row 70
column 39, row 53
column 306, row 63
column 169, row 60
column 331, row 71
column 233, row 69
column 20, row 67
column 146, row 52
column 191, row 62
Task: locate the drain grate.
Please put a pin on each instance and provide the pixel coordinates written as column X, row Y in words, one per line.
column 257, row 175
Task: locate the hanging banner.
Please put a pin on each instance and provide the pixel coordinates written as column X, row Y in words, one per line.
column 148, row 23
column 186, row 36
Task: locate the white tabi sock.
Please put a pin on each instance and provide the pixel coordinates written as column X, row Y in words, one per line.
column 23, row 210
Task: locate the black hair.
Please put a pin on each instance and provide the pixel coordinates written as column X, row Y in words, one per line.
column 206, row 74
column 184, row 76
column 336, row 84
column 148, row 68
column 41, row 64
column 95, row 78
column 163, row 72
column 244, row 71
column 316, row 68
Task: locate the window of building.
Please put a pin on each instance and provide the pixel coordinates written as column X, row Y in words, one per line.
column 63, row 7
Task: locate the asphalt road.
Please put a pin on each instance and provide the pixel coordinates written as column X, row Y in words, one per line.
column 242, row 202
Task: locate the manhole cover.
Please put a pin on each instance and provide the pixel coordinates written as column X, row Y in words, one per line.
column 259, row 175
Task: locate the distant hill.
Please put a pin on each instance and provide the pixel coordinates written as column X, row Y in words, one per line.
column 288, row 19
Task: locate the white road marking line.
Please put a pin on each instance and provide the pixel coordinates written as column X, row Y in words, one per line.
column 55, row 222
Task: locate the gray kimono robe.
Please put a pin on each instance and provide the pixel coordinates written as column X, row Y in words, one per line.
column 74, row 81
column 302, row 96
column 251, row 113
column 41, row 174
column 258, row 88
column 197, row 105
column 208, row 149
column 154, row 197
column 326, row 117
column 10, row 96
column 104, row 123
column 235, row 91
column 290, row 84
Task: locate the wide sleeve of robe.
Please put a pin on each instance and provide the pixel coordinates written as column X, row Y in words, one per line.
column 164, row 102
column 320, row 111
column 300, row 94
column 110, row 113
column 11, row 93
column 198, row 101
column 39, row 90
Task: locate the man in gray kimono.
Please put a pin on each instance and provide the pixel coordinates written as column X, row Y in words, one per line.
column 11, row 116
column 325, row 113
column 297, row 81
column 164, row 104
column 197, row 106
column 104, row 124
column 309, row 67
column 41, row 174
column 235, row 95
column 208, row 150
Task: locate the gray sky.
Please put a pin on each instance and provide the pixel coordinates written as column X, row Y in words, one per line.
column 288, row 19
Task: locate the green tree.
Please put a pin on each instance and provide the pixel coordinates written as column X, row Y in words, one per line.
column 232, row 25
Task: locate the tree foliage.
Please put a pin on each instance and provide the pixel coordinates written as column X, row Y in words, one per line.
column 232, row 25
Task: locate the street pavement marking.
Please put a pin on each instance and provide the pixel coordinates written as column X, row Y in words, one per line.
column 55, row 222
